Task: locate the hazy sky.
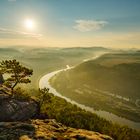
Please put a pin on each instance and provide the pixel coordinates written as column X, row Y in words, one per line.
column 69, row 23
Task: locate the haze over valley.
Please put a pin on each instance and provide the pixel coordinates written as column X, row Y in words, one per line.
column 69, row 70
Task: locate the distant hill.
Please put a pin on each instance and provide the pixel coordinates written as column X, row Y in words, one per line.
column 45, row 60
column 119, row 76
column 111, row 82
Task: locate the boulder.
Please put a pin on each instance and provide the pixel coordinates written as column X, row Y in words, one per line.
column 16, row 110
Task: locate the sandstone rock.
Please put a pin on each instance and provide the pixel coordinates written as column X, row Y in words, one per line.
column 45, row 130
column 16, row 110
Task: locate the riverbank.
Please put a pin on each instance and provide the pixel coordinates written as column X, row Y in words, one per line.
column 44, row 83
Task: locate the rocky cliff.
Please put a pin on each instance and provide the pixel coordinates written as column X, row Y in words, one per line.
column 16, row 110
column 45, row 130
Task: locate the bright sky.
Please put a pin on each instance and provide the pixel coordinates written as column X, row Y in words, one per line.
column 70, row 23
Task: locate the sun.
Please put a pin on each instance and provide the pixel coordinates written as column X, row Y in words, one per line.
column 29, row 24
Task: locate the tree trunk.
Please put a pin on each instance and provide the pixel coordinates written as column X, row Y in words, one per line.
column 12, row 89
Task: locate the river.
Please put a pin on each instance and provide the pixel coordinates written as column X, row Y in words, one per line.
column 44, row 83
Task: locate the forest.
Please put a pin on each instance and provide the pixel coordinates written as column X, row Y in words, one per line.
column 71, row 115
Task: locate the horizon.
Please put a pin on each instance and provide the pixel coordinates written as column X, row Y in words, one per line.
column 67, row 23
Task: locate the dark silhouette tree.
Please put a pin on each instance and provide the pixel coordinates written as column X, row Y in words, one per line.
column 16, row 73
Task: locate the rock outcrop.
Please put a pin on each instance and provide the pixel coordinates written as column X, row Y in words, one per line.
column 45, row 130
column 16, row 110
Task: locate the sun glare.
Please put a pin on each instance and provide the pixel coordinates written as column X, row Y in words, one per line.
column 29, row 24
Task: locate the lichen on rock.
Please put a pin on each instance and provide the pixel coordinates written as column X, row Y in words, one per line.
column 47, row 129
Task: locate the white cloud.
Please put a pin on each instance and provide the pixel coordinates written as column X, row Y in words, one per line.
column 89, row 25
column 13, row 33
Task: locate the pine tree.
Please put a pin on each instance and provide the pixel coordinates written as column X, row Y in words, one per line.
column 16, row 73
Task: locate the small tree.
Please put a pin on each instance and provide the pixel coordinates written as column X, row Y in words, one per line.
column 17, row 73
column 43, row 96
column 42, row 99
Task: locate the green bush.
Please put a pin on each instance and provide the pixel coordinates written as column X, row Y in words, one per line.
column 20, row 94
